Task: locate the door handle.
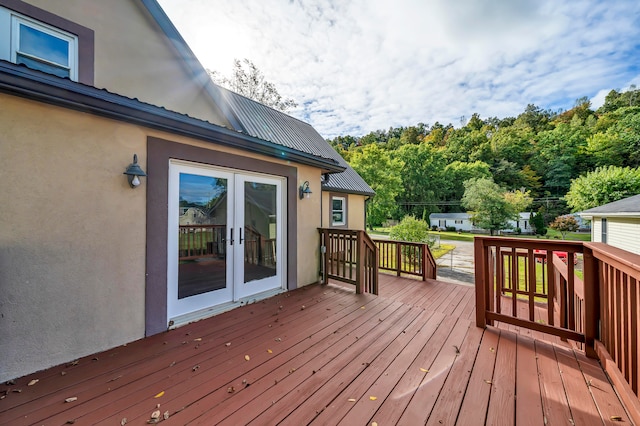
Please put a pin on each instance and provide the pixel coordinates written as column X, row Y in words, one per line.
column 231, row 239
column 240, row 235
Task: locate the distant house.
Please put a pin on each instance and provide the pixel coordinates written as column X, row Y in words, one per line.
column 617, row 223
column 462, row 222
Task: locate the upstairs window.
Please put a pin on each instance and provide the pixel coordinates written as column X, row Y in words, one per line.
column 38, row 45
column 338, row 211
column 603, row 236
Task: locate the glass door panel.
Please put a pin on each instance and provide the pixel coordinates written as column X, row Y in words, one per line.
column 200, row 217
column 260, row 217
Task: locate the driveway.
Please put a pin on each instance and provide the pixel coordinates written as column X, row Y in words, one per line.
column 457, row 265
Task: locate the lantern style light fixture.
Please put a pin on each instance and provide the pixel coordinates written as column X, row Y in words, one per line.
column 134, row 172
column 304, row 190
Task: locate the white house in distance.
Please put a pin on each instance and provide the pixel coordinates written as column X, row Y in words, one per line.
column 462, row 222
column 617, row 223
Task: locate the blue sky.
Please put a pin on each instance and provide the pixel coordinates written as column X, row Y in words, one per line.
column 362, row 65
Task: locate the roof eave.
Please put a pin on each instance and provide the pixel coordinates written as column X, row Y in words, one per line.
column 26, row 83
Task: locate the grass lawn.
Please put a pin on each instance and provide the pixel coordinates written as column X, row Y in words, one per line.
column 442, row 250
column 466, row 236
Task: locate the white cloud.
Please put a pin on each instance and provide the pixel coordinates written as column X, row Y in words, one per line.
column 357, row 66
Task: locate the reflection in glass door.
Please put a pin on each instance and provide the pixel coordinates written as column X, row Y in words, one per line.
column 199, row 273
column 260, row 214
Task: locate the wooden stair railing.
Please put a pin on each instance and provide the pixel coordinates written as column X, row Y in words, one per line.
column 349, row 256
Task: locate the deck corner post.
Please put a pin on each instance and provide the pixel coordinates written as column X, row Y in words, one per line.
column 480, row 261
column 360, row 265
column 591, row 301
column 425, row 247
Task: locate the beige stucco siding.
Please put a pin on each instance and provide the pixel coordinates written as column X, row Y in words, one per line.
column 72, row 236
column 72, row 233
column 355, row 210
column 624, row 233
column 134, row 58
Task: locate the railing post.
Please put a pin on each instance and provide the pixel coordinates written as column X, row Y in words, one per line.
column 424, row 261
column 591, row 302
column 324, row 253
column 360, row 263
column 481, row 287
column 398, row 257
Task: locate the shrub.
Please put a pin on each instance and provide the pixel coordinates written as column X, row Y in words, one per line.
column 451, row 229
column 412, row 230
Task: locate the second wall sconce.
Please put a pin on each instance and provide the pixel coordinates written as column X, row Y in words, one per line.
column 304, row 190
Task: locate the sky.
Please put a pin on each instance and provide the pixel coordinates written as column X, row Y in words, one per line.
column 356, row 66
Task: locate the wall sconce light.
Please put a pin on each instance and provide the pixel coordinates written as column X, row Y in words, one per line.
column 304, row 190
column 134, row 172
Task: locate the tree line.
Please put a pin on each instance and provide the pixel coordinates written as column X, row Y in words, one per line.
column 555, row 158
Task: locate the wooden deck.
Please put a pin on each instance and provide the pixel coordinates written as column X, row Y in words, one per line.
column 324, row 355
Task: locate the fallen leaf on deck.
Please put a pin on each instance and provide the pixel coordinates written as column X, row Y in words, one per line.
column 488, row 382
column 373, row 398
column 71, row 399
column 362, row 307
column 123, row 421
column 269, row 351
column 278, row 339
column 247, row 357
column 351, row 400
column 33, row 382
column 165, row 415
column 292, row 370
column 198, row 339
column 231, row 389
column 616, row 418
column 10, row 382
column 195, row 368
column 492, row 350
column 159, row 394
column 155, row 414
column 228, row 344
column 424, row 370
column 374, row 423
column 62, row 373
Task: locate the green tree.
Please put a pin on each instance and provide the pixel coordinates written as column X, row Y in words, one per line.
column 458, row 172
column 537, row 222
column 383, row 175
column 564, row 224
column 489, row 209
column 423, row 176
column 603, row 185
column 247, row 80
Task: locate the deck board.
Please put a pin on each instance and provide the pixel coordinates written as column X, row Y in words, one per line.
column 324, row 355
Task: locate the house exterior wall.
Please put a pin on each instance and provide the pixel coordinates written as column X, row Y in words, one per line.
column 73, row 233
column 624, row 233
column 355, row 206
column 132, row 55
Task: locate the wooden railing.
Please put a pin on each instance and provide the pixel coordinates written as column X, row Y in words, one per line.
column 405, row 257
column 517, row 284
column 202, row 241
column 513, row 277
column 198, row 241
column 351, row 257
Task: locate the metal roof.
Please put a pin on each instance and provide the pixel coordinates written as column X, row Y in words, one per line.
column 626, row 207
column 260, row 121
column 266, row 123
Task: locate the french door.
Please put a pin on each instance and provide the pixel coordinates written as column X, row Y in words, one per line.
column 225, row 237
